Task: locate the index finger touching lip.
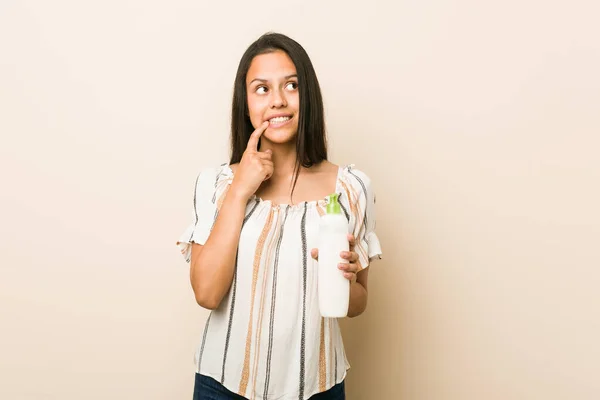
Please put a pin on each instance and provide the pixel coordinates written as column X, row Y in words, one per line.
column 253, row 141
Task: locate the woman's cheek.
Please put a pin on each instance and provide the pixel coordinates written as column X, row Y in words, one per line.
column 257, row 111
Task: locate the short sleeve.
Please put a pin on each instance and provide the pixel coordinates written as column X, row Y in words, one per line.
column 203, row 213
column 367, row 242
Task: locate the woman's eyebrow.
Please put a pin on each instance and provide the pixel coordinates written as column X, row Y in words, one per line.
column 257, row 79
column 266, row 80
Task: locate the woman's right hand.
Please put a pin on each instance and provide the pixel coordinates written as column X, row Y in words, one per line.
column 254, row 168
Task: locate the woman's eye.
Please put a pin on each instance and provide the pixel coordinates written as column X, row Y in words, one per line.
column 261, row 90
column 292, row 86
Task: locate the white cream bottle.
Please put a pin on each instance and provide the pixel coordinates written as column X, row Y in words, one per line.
column 333, row 287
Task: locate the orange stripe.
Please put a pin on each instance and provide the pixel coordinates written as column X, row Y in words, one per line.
column 320, row 210
column 322, row 360
column 358, row 225
column 350, row 199
column 257, row 257
column 360, row 249
column 222, row 197
column 270, row 248
column 353, row 201
column 363, row 252
column 356, row 194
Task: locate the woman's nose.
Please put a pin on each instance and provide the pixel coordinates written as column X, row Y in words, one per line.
column 277, row 99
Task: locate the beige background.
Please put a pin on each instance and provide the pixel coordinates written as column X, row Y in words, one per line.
column 477, row 121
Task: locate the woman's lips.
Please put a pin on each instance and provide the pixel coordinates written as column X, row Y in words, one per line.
column 279, row 123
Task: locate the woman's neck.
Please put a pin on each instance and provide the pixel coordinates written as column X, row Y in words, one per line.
column 284, row 160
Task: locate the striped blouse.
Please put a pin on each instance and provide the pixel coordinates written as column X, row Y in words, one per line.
column 267, row 339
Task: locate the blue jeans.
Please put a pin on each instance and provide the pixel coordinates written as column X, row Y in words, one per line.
column 206, row 388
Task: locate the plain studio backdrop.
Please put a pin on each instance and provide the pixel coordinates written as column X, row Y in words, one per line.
column 477, row 121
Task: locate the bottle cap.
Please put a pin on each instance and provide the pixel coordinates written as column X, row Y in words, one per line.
column 333, row 207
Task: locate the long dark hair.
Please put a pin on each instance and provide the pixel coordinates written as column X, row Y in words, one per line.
column 311, row 143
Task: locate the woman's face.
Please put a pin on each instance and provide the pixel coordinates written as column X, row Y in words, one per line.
column 272, row 87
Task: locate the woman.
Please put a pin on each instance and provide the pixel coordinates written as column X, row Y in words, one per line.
column 252, row 241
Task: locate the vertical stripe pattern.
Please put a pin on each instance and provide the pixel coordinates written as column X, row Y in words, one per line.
column 220, row 201
column 203, row 340
column 350, row 202
column 233, row 292
column 273, row 298
column 270, row 249
column 256, row 266
column 343, row 207
column 365, row 193
column 335, row 362
column 195, row 209
column 322, row 359
column 358, row 221
column 219, row 174
column 320, row 210
column 303, row 336
column 330, row 331
column 216, row 183
column 210, row 315
column 267, row 339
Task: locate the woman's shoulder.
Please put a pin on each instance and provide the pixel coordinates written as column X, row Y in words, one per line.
column 357, row 177
column 213, row 171
column 209, row 176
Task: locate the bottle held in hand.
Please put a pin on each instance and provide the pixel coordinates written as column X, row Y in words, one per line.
column 333, row 287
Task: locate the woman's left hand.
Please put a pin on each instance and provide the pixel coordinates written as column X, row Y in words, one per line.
column 350, row 268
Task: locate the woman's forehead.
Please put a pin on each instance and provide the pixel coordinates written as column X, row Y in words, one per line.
column 271, row 66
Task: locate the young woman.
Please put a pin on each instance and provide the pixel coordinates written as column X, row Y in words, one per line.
column 252, row 243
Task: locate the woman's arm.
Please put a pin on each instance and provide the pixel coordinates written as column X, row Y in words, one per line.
column 212, row 264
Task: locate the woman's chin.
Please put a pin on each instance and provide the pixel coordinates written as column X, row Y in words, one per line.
column 277, row 136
